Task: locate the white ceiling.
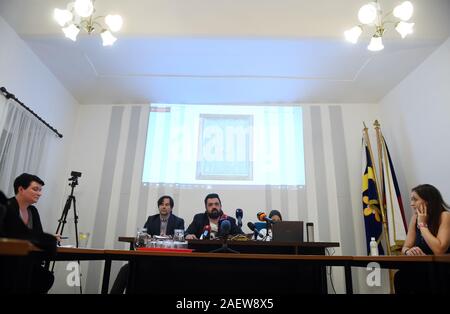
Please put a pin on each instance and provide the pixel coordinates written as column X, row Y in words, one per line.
column 228, row 51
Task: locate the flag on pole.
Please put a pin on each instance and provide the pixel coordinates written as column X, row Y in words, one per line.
column 370, row 201
column 396, row 218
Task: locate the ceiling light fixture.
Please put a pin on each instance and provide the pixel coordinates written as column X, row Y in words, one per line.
column 371, row 15
column 79, row 16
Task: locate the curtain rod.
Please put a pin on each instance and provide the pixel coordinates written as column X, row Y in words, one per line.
column 8, row 95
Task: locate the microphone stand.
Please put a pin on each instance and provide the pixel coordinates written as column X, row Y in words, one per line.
column 268, row 225
column 224, row 248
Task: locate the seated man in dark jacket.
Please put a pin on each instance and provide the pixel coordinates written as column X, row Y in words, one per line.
column 164, row 223
column 22, row 221
column 212, row 217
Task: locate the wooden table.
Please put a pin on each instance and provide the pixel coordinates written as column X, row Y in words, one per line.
column 287, row 265
column 14, row 247
column 265, row 247
column 252, row 246
column 443, row 271
column 16, row 265
column 241, row 273
column 395, row 262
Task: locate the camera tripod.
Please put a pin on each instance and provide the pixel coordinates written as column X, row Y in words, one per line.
column 63, row 220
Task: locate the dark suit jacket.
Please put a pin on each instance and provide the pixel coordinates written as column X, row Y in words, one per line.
column 201, row 220
column 40, row 279
column 153, row 224
column 13, row 227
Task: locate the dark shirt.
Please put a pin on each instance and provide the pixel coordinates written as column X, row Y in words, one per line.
column 153, row 224
column 41, row 279
column 422, row 244
column 14, row 227
column 201, row 220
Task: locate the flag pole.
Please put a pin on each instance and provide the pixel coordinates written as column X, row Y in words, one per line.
column 396, row 246
column 376, row 124
column 366, row 138
column 380, row 190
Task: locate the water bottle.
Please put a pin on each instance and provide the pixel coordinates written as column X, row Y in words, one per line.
column 142, row 238
column 373, row 247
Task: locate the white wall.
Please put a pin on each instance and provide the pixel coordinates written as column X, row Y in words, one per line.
column 100, row 150
column 416, row 116
column 86, row 143
column 24, row 75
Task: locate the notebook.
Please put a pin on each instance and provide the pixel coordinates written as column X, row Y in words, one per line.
column 288, row 231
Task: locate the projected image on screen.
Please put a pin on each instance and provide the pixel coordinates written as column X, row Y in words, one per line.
column 224, row 145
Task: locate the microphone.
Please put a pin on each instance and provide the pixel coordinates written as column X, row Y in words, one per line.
column 239, row 215
column 206, row 232
column 263, row 217
column 252, row 227
column 225, row 228
column 221, row 219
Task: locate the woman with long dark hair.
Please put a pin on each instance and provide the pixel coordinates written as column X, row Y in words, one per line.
column 428, row 234
column 429, row 228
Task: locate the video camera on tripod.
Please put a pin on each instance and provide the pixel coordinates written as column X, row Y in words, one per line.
column 74, row 178
column 69, row 202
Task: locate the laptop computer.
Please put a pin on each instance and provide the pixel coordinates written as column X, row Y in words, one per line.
column 288, row 231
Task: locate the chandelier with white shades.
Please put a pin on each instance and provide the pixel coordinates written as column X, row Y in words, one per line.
column 371, row 15
column 79, row 16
